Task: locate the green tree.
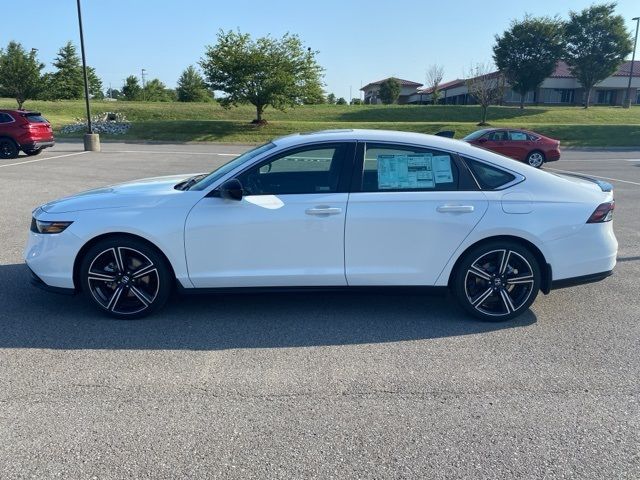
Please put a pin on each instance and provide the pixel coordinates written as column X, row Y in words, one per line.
column 192, row 87
column 19, row 73
column 95, row 84
column 528, row 52
column 331, row 99
column 597, row 43
column 263, row 72
column 486, row 87
column 156, row 91
column 356, row 101
column 341, row 101
column 113, row 93
column 131, row 90
column 67, row 82
column 389, row 91
column 435, row 74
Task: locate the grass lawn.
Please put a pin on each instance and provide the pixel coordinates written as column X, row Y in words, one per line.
column 596, row 126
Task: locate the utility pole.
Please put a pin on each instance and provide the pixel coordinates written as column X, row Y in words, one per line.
column 91, row 140
column 633, row 59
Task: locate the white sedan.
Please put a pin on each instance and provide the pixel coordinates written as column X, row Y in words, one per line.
column 333, row 209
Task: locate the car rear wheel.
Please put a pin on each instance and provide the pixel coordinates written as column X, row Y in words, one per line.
column 35, row 151
column 535, row 159
column 125, row 278
column 497, row 281
column 8, row 148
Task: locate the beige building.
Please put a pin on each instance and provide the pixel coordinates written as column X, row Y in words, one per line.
column 561, row 88
column 372, row 90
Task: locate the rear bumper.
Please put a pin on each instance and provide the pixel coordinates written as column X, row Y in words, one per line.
column 552, row 156
column 36, row 145
column 582, row 280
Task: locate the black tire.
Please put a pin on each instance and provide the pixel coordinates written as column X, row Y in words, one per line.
column 131, row 267
column 8, row 148
column 536, row 159
column 35, row 151
column 493, row 290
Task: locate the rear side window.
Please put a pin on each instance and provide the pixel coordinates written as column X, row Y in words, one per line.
column 36, row 118
column 391, row 168
column 5, row 118
column 517, row 136
column 489, row 177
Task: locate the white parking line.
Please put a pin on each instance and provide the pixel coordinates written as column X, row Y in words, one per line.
column 42, row 159
column 595, row 176
column 173, row 152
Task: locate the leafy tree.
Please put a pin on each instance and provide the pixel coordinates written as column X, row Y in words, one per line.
column 19, row 73
column 528, row 52
column 95, row 84
column 597, row 43
column 314, row 95
column 389, row 91
column 67, row 82
column 331, row 99
column 113, row 93
column 341, row 101
column 192, row 87
column 486, row 87
column 156, row 91
column 435, row 74
column 264, row 72
column 131, row 90
column 356, row 101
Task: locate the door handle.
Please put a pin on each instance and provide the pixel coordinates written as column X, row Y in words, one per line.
column 455, row 208
column 323, row 211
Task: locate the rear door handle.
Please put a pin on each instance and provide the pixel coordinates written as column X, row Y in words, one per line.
column 323, row 211
column 455, row 208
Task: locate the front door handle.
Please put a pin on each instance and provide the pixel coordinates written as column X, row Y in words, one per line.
column 323, row 211
column 455, row 208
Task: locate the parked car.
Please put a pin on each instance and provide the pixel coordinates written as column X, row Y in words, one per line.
column 523, row 145
column 334, row 209
column 23, row 130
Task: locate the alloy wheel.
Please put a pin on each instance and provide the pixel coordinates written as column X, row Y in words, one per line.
column 499, row 282
column 536, row 159
column 123, row 280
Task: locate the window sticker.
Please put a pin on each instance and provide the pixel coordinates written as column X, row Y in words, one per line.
column 405, row 171
column 442, row 169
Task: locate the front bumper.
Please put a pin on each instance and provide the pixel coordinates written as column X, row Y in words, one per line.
column 36, row 281
column 51, row 257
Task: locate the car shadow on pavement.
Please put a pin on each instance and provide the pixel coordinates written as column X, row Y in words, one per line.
column 32, row 318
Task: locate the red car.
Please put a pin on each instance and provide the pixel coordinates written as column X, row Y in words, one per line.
column 23, row 130
column 529, row 147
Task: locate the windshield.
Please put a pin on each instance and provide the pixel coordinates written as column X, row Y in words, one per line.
column 475, row 135
column 227, row 167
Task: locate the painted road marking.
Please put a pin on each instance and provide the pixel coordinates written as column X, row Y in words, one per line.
column 43, row 159
column 595, row 176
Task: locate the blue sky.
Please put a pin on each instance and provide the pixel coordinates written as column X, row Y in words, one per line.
column 359, row 41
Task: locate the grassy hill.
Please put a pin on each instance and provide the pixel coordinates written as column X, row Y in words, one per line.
column 596, row 126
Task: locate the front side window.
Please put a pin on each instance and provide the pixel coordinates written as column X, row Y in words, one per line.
column 498, row 136
column 399, row 168
column 309, row 170
column 5, row 118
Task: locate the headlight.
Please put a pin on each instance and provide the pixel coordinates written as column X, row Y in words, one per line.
column 40, row 226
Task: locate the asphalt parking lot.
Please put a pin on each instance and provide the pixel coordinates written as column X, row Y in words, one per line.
column 300, row 385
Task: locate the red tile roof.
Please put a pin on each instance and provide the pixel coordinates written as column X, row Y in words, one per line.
column 562, row 70
column 442, row 86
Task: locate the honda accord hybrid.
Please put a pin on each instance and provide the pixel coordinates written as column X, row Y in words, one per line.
column 331, row 210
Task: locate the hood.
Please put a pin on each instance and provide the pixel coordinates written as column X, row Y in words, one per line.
column 141, row 193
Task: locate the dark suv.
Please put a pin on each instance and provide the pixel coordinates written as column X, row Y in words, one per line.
column 23, row 130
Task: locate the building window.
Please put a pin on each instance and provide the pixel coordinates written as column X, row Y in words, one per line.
column 606, row 97
column 557, row 95
column 514, row 97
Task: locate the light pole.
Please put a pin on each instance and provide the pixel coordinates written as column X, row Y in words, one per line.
column 91, row 140
column 633, row 59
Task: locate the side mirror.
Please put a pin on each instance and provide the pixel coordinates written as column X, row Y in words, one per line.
column 231, row 189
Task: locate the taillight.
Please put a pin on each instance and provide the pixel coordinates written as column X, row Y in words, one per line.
column 604, row 213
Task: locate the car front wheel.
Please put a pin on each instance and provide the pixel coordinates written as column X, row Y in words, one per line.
column 125, row 278
column 535, row 159
column 497, row 281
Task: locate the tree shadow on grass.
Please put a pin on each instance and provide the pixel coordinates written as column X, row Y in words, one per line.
column 31, row 318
